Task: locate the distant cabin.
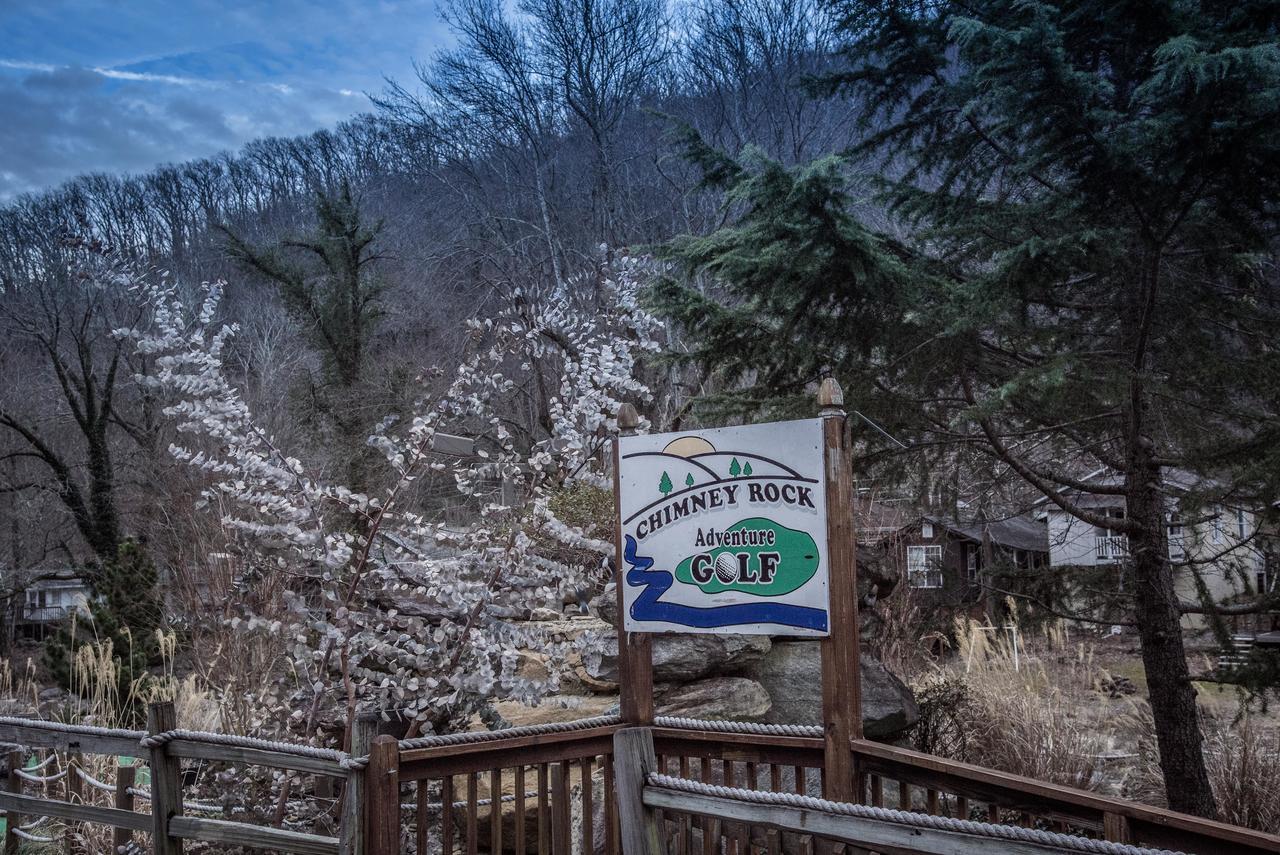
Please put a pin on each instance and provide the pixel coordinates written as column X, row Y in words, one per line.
column 947, row 562
column 48, row 601
column 1222, row 542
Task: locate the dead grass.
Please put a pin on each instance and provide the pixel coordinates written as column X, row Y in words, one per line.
column 1243, row 759
column 998, row 703
column 1036, row 710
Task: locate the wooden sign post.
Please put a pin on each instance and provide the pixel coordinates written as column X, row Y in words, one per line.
column 841, row 667
column 742, row 530
column 635, row 649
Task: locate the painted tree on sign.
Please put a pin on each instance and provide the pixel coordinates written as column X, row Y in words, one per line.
column 688, row 480
column 735, row 469
column 665, row 486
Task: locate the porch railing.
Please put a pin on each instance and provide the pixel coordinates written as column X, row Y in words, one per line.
column 1111, row 547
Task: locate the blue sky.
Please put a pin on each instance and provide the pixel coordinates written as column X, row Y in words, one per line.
column 124, row 85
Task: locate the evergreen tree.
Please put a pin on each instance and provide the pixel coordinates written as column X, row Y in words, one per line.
column 327, row 281
column 735, row 469
column 126, row 610
column 1072, row 267
column 688, row 480
column 665, row 486
column 746, row 470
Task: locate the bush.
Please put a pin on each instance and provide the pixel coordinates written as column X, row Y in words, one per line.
column 1005, row 710
column 120, row 632
column 1243, row 760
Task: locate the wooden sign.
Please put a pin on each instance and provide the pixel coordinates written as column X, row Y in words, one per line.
column 725, row 530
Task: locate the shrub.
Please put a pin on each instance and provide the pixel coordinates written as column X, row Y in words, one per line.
column 1243, row 760
column 1000, row 706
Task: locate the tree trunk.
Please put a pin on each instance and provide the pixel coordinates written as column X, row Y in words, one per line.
column 1172, row 696
column 1164, row 657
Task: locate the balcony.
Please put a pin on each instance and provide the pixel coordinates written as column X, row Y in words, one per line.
column 1111, row 547
column 43, row 614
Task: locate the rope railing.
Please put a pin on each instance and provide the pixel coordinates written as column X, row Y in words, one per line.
column 476, row 736
column 1067, row 842
column 94, row 782
column 721, row 726
column 40, row 779
column 73, row 729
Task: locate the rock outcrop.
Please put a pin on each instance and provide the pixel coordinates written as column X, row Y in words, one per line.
column 791, row 673
column 676, row 658
column 715, row 699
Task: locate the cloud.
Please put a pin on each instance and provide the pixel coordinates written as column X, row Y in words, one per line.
column 69, row 121
column 97, row 85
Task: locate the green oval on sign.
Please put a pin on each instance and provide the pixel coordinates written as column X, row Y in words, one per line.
column 755, row 556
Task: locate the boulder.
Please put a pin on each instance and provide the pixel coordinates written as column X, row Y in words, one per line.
column 605, row 605
column 676, row 658
column 791, row 673
column 717, row 699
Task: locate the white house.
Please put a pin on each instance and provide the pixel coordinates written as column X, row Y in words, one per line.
column 1221, row 542
column 49, row 600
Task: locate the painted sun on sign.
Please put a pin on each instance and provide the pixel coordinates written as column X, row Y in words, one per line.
column 725, row 530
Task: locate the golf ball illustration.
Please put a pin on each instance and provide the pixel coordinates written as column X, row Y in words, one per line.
column 726, row 568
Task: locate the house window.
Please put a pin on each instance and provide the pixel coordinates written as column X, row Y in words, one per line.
column 1116, row 514
column 1266, row 581
column 926, row 530
column 1177, row 546
column 1241, row 526
column 1217, row 528
column 972, row 565
column 924, row 566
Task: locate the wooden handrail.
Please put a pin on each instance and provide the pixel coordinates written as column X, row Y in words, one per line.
column 1148, row 825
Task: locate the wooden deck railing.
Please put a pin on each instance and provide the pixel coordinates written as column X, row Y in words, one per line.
column 895, row 778
column 168, row 825
column 552, row 792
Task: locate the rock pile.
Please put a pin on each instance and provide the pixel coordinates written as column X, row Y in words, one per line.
column 743, row 678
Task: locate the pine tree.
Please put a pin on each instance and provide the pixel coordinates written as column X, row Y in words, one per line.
column 327, row 280
column 688, row 480
column 126, row 610
column 1081, row 208
column 735, row 469
column 746, row 469
column 665, row 486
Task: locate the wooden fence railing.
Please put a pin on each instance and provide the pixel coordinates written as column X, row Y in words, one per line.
column 768, row 810
column 164, row 748
column 555, row 791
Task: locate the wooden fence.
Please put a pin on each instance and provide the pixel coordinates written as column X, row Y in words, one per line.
column 556, row 789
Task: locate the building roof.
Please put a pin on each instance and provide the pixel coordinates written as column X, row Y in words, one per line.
column 1013, row 533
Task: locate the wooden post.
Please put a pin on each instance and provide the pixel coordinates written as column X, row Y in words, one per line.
column 75, row 795
column 351, row 830
column 1115, row 828
column 125, row 777
column 166, row 781
column 561, row 818
column 12, row 820
column 633, row 760
column 841, row 675
column 382, row 798
column 635, row 649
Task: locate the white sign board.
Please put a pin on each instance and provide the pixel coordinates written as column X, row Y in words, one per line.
column 725, row 530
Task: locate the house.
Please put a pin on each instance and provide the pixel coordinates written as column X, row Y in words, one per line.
column 1220, row 541
column 951, row 562
column 48, row 601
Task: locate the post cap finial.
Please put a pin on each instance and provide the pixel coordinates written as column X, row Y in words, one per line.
column 628, row 418
column 830, row 394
